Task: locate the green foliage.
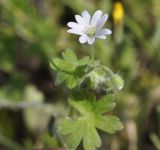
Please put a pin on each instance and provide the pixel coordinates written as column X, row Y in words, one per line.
column 75, row 74
column 70, row 69
column 91, row 117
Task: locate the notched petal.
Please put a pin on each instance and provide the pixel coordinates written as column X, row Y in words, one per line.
column 95, row 18
column 101, row 22
column 86, row 16
column 80, row 20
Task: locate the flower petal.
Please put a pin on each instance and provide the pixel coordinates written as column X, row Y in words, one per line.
column 95, row 18
column 101, row 22
column 86, row 16
column 75, row 25
column 72, row 24
column 80, row 20
column 75, row 31
column 104, row 32
column 83, row 38
column 91, row 40
column 101, row 36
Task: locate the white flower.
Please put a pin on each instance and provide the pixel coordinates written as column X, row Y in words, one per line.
column 89, row 28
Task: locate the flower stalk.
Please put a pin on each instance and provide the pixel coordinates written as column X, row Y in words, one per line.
column 92, row 55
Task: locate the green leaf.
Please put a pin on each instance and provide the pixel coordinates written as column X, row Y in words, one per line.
column 80, row 71
column 61, row 77
column 84, row 61
column 83, row 94
column 69, row 70
column 74, row 139
column 105, row 104
column 63, row 65
column 91, row 139
column 66, row 126
column 82, row 101
column 70, row 56
column 109, row 124
column 71, row 81
column 73, row 131
column 52, row 65
column 91, row 118
column 83, row 107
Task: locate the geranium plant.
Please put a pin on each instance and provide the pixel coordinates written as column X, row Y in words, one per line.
column 92, row 86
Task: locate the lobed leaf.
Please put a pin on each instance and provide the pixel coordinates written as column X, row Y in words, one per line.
column 70, row 56
column 109, row 124
column 61, row 77
column 63, row 65
column 70, row 70
column 52, row 65
column 74, row 139
column 71, row 81
column 83, row 106
column 66, row 126
column 91, row 139
column 84, row 61
column 72, row 131
column 105, row 104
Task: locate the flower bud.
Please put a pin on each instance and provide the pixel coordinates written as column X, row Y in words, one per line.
column 118, row 82
column 118, row 12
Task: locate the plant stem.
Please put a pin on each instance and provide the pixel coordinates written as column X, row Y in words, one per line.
column 92, row 56
column 155, row 140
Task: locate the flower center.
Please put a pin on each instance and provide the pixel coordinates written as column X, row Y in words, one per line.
column 90, row 31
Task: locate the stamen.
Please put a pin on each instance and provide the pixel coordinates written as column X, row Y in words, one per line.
column 90, row 31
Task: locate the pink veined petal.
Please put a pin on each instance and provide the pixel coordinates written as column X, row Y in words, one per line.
column 83, row 38
column 95, row 18
column 80, row 20
column 104, row 32
column 91, row 40
column 75, row 31
column 101, row 22
column 86, row 16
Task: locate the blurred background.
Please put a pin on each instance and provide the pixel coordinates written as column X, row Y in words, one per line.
column 32, row 32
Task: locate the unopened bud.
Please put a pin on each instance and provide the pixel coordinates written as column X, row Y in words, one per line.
column 118, row 82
